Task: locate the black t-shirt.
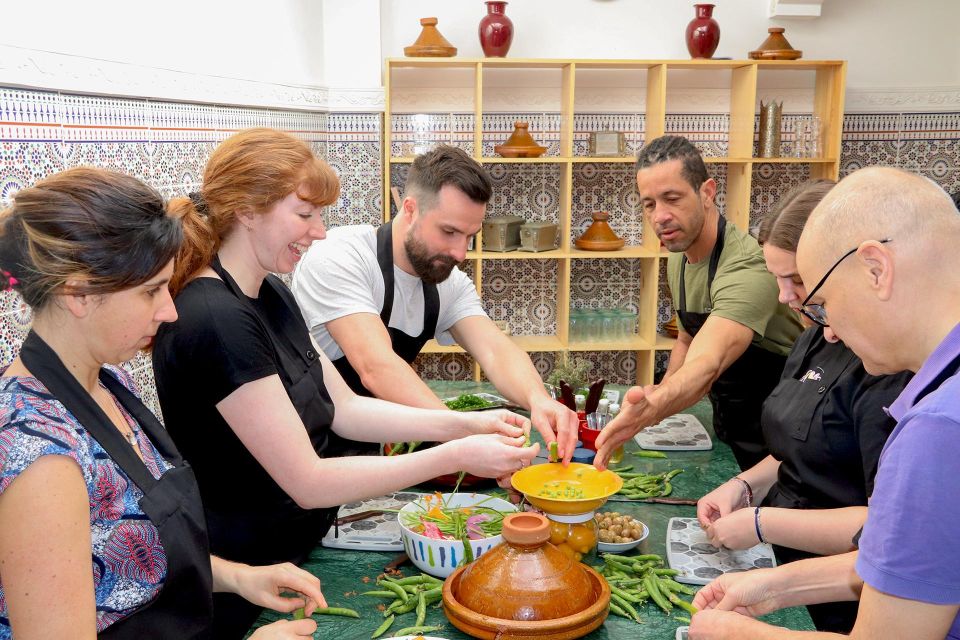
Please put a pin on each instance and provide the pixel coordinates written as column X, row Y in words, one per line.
column 826, row 423
column 217, row 345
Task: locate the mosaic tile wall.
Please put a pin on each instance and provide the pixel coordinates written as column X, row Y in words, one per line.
column 167, row 144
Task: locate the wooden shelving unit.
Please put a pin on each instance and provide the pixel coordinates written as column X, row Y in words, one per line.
column 744, row 77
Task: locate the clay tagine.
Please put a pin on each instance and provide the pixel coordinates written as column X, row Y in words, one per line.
column 775, row 47
column 526, row 588
column 599, row 236
column 520, row 144
column 430, row 43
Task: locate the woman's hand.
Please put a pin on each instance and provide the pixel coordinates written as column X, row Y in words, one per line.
column 263, row 586
column 494, row 456
column 720, row 502
column 750, row 593
column 500, row 421
column 722, row 625
column 286, row 629
column 733, row 531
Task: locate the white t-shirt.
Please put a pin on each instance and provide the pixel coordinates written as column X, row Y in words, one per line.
column 340, row 276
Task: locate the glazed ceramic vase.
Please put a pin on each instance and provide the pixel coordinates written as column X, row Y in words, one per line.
column 496, row 31
column 703, row 32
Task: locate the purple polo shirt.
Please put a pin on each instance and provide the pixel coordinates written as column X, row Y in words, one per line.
column 910, row 544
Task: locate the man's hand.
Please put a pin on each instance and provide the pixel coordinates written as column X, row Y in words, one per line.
column 555, row 421
column 636, row 413
column 750, row 593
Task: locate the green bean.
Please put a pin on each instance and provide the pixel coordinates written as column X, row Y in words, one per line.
column 682, row 619
column 553, row 451
column 414, row 580
column 405, row 607
column 623, row 594
column 397, row 448
column 671, row 474
column 666, row 572
column 421, row 610
column 683, row 604
column 620, row 612
column 650, row 454
column 409, row 631
column 626, row 606
column 676, row 587
column 380, row 594
column 433, row 595
column 336, row 611
column 667, row 488
column 397, row 590
column 621, row 470
column 300, row 613
column 650, row 582
column 382, row 629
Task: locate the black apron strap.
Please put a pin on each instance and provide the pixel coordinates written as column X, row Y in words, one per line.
column 431, row 299
column 44, row 363
column 711, row 267
column 385, row 260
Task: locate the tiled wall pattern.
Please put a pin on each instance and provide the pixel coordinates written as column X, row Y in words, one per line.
column 167, row 144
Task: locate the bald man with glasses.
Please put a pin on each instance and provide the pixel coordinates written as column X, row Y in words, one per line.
column 882, row 246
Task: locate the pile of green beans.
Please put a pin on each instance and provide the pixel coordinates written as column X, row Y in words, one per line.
column 638, row 486
column 412, row 594
column 635, row 580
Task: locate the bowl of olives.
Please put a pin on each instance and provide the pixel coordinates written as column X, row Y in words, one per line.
column 618, row 532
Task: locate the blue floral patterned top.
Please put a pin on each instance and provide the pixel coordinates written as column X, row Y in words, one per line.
column 128, row 561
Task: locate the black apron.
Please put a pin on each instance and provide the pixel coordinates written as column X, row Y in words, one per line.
column 281, row 531
column 183, row 608
column 737, row 395
column 406, row 346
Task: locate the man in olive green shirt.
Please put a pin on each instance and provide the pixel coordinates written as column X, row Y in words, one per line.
column 734, row 333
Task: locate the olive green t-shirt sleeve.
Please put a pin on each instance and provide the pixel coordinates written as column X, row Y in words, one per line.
column 743, row 291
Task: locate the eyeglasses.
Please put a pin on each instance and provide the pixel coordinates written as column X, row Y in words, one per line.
column 816, row 312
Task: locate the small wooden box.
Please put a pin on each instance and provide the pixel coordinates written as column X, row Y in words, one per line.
column 538, row 236
column 501, row 233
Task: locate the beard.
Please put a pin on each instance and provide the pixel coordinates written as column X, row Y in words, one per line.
column 432, row 269
column 685, row 239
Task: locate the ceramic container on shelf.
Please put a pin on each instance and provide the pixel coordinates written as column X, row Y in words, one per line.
column 770, row 120
column 775, row 47
column 496, row 31
column 599, row 236
column 526, row 588
column 703, row 32
column 430, row 43
column 520, row 144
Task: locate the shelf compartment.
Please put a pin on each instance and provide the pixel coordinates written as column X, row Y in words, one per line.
column 635, row 344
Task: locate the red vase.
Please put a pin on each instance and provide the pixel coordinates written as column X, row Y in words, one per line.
column 703, row 32
column 496, row 31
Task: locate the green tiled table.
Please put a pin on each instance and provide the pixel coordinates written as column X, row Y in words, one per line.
column 342, row 571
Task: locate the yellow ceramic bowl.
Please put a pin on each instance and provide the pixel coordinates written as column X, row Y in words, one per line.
column 577, row 488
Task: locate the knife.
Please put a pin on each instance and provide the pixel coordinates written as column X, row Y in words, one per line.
column 593, row 398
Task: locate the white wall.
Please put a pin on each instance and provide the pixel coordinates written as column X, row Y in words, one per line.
column 888, row 43
column 328, row 53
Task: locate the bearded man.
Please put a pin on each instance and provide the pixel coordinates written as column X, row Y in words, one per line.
column 373, row 297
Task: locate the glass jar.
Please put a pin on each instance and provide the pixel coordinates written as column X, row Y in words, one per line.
column 574, row 535
column 608, row 325
column 593, row 324
column 576, row 325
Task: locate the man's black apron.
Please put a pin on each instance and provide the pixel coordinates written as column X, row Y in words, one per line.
column 279, row 531
column 183, row 608
column 737, row 395
column 406, row 346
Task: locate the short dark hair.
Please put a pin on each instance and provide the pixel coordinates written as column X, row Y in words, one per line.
column 105, row 229
column 782, row 227
column 668, row 148
column 448, row 165
column 956, row 200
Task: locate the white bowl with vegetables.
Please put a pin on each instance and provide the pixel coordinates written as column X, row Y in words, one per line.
column 434, row 528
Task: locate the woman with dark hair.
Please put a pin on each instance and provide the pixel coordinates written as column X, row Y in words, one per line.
column 87, row 473
column 250, row 399
column 824, row 424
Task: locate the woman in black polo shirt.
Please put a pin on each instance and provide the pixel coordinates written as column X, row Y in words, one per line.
column 824, row 424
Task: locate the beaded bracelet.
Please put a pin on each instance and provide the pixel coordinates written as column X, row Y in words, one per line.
column 756, row 523
column 748, row 490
